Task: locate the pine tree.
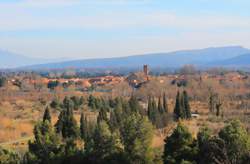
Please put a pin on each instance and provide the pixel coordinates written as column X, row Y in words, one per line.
column 46, row 145
column 180, row 147
column 46, row 115
column 137, row 135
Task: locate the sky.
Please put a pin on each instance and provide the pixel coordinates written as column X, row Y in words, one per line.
column 112, row 28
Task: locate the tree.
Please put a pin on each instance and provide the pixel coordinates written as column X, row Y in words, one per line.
column 105, row 144
column 180, row 147
column 165, row 103
column 137, row 135
column 2, row 81
column 66, row 124
column 186, row 105
column 91, row 102
column 213, row 151
column 55, row 104
column 237, row 141
column 102, row 116
column 135, row 107
column 46, row 146
column 83, row 126
column 53, row 84
column 203, row 136
column 178, row 113
column 46, row 116
column 160, row 106
column 9, row 157
column 182, row 108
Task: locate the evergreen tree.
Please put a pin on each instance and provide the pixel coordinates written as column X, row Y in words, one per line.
column 165, row 103
column 137, row 135
column 46, row 146
column 66, row 124
column 83, row 126
column 160, row 107
column 102, row 116
column 178, row 107
column 186, row 105
column 237, row 141
column 213, row 151
column 105, row 144
column 9, row 157
column 91, row 102
column 134, row 104
column 46, row 115
column 180, row 147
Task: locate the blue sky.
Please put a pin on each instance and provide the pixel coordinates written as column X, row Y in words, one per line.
column 108, row 28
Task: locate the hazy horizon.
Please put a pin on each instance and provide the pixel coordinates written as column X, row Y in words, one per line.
column 80, row 29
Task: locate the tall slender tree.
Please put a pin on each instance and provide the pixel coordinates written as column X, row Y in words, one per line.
column 46, row 115
column 165, row 103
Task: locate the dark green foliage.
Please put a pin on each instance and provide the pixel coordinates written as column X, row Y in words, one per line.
column 213, row 99
column 46, row 146
column 237, row 141
column 165, row 103
column 92, row 102
column 137, row 134
column 83, row 127
column 53, row 84
column 213, row 151
column 2, row 81
column 46, row 115
column 178, row 109
column 66, row 124
column 102, row 116
column 9, row 157
column 105, row 144
column 134, row 104
column 182, row 108
column 186, row 105
column 157, row 114
column 77, row 101
column 180, row 147
column 203, row 136
column 55, row 104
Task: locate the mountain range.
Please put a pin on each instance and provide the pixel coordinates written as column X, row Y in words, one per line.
column 231, row 56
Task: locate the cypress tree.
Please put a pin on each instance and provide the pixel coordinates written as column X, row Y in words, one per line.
column 177, row 108
column 102, row 116
column 165, row 103
column 186, row 105
column 83, row 126
column 160, row 107
column 66, row 124
column 46, row 115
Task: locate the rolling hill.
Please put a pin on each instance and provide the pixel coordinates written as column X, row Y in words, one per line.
column 200, row 57
column 13, row 60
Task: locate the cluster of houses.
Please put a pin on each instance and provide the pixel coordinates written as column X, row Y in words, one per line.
column 135, row 80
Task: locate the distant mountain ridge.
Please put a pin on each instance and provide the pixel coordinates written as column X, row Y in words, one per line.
column 200, row 57
column 215, row 56
column 242, row 60
column 13, row 60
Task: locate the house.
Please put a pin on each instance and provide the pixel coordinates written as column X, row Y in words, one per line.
column 137, row 79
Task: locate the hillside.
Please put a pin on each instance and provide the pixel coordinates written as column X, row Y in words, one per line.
column 171, row 59
column 242, row 60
